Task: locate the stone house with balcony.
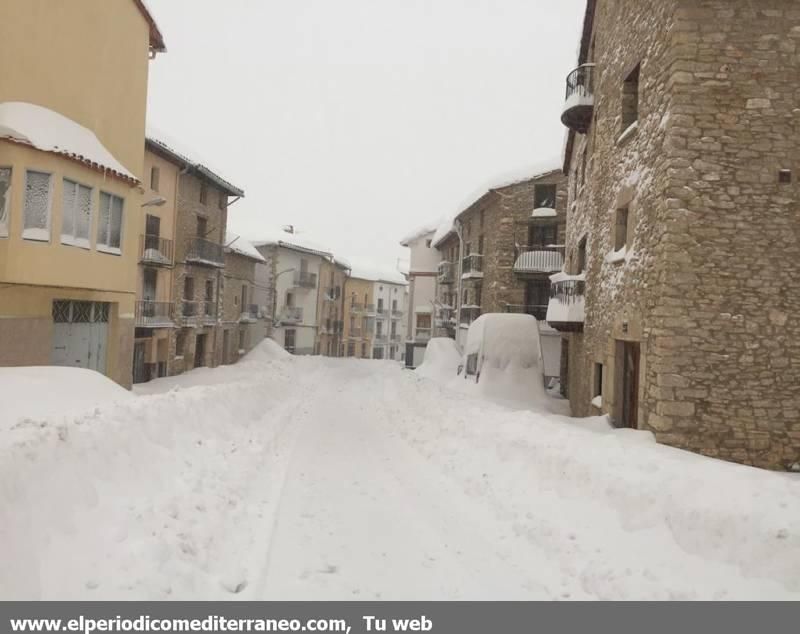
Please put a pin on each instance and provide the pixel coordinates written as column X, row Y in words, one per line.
column 359, row 317
column 498, row 255
column 202, row 200
column 72, row 127
column 678, row 302
column 295, row 264
column 330, row 307
column 423, row 271
column 243, row 320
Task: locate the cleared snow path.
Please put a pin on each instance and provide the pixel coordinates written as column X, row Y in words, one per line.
column 311, row 478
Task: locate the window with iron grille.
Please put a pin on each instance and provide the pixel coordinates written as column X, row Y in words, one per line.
column 38, row 191
column 5, row 197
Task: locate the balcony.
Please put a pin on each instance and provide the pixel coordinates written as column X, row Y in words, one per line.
column 446, row 273
column 196, row 313
column 304, row 279
column 369, row 309
column 537, row 259
column 355, row 333
column 155, row 251
column 566, row 310
column 536, row 310
column 332, row 293
column 381, row 337
column 356, row 308
column 469, row 314
column 249, row 314
column 154, row 314
column 422, row 334
column 472, row 267
column 291, row 315
column 579, row 105
column 397, row 313
column 381, row 310
column 202, row 251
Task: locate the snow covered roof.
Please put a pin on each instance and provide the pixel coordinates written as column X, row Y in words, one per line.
column 419, row 232
column 175, row 151
column 234, row 243
column 156, row 38
column 49, row 131
column 539, row 170
column 281, row 238
column 365, row 271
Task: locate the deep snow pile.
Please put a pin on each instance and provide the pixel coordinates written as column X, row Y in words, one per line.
column 287, row 477
column 442, row 359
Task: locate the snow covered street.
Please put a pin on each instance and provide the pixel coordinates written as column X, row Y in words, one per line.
column 316, row 478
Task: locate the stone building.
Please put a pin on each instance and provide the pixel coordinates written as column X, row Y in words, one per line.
column 243, row 320
column 498, row 255
column 330, row 307
column 679, row 297
column 199, row 259
column 72, row 126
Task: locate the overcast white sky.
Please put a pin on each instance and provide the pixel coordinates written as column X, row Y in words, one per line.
column 358, row 120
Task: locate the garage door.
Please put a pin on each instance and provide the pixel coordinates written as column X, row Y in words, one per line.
column 80, row 332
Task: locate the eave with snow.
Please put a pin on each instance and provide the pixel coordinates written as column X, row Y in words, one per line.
column 49, row 131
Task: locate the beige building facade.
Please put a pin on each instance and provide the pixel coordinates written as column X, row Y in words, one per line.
column 330, row 308
column 359, row 317
column 71, row 168
column 677, row 301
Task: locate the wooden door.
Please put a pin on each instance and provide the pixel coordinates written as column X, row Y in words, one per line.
column 630, row 384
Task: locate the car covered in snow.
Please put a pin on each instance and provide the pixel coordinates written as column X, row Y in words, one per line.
column 503, row 343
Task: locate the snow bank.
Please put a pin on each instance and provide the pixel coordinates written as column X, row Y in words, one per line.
column 267, row 350
column 51, row 131
column 442, row 359
column 31, row 394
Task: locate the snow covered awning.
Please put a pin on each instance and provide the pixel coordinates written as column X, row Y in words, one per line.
column 49, row 131
column 544, row 212
column 539, row 262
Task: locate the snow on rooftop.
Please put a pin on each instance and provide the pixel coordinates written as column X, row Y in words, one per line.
column 236, row 244
column 189, row 156
column 299, row 240
column 423, row 230
column 376, row 273
column 50, row 131
column 530, row 172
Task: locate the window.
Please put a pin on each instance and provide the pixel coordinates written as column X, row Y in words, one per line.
column 5, row 197
column 244, row 296
column 155, row 174
column 109, row 226
column 428, row 243
column 598, row 380
column 188, row 288
column 241, row 339
column 76, row 214
column 544, row 196
column 209, row 290
column 480, row 245
column 289, row 340
column 630, row 99
column 351, row 349
column 541, row 235
column 621, row 228
column 180, row 344
column 38, row 188
column 363, row 351
column 202, row 227
column 203, row 192
column 582, row 255
column 784, row 177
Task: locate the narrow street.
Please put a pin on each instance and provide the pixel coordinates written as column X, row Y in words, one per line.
column 314, row 478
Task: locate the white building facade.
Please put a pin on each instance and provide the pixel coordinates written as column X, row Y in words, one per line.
column 423, row 269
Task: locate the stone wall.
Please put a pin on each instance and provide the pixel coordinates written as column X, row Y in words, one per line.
column 705, row 282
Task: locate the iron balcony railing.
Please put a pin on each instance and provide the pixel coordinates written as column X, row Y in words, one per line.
column 537, row 310
column 150, row 314
column 472, row 265
column 305, row 279
column 579, row 104
column 568, row 291
column 250, row 313
column 332, row 293
column 381, row 309
column 446, row 272
column 356, row 307
column 292, row 315
column 355, row 333
column 195, row 311
column 381, row 337
column 396, row 312
column 155, row 250
column 202, row 251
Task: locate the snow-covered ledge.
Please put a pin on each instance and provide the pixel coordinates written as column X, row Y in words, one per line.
column 628, row 133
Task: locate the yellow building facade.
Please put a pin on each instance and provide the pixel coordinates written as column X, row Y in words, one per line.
column 359, row 317
column 72, row 118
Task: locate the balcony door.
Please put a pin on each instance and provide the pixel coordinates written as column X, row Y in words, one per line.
column 537, row 296
column 149, row 287
column 152, row 230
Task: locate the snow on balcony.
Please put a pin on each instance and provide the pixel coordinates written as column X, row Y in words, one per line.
column 49, row 131
column 539, row 262
column 544, row 212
